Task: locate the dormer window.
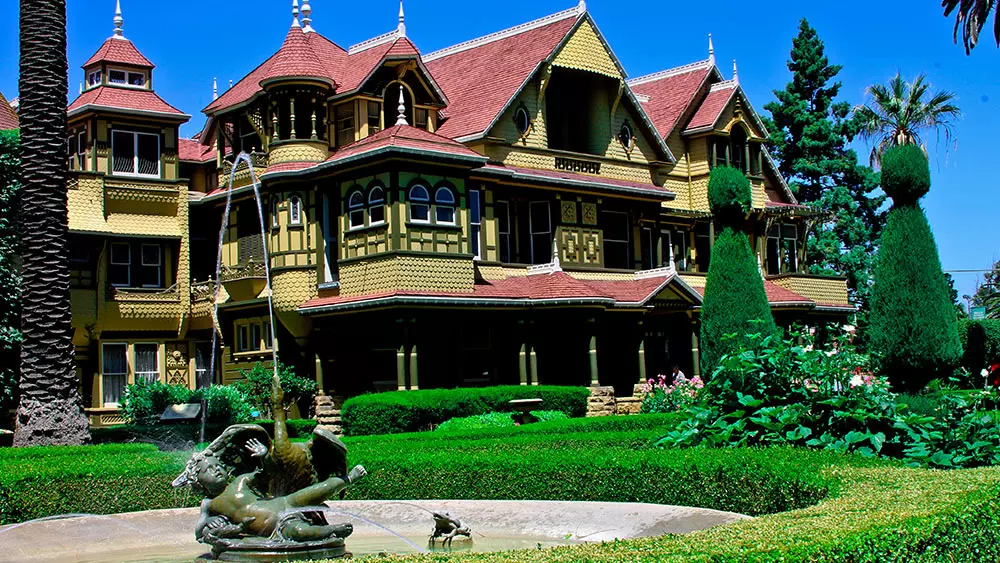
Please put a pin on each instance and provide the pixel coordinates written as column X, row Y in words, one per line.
column 127, row 78
column 94, row 78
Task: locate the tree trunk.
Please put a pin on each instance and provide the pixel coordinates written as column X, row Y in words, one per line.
column 50, row 409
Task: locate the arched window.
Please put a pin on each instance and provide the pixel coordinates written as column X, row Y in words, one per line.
column 295, row 210
column 738, row 147
column 376, row 206
column 419, row 204
column 356, row 210
column 444, row 205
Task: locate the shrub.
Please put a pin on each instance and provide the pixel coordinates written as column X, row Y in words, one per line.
column 661, row 395
column 729, row 194
column 145, row 402
column 906, row 176
column 256, row 385
column 734, row 297
column 409, row 411
column 912, row 325
column 494, row 420
column 980, row 344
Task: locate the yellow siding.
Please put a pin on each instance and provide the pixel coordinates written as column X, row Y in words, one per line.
column 584, row 50
column 819, row 289
column 407, row 272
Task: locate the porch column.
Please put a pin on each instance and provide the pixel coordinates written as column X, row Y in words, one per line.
column 642, row 359
column 534, row 366
column 593, row 360
column 695, row 350
column 319, row 376
column 401, row 368
column 522, row 364
column 414, row 380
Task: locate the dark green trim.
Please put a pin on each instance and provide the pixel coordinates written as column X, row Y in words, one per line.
column 452, row 255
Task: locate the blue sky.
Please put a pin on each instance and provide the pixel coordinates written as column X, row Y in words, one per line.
column 191, row 41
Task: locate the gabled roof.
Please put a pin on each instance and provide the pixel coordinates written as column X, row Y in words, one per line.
column 712, row 106
column 117, row 49
column 8, row 117
column 667, row 94
column 125, row 100
column 480, row 77
column 191, row 150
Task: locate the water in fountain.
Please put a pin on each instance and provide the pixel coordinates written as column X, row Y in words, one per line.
column 241, row 158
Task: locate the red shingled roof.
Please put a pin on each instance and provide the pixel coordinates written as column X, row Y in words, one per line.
column 408, row 137
column 119, row 50
column 8, row 117
column 191, row 150
column 480, row 80
column 557, row 286
column 129, row 99
column 345, row 70
column 670, row 93
column 778, row 295
column 296, row 58
column 557, row 175
column 712, row 106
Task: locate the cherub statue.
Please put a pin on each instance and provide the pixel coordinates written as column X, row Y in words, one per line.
column 446, row 527
column 256, row 488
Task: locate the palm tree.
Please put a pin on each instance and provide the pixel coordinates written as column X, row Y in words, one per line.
column 897, row 113
column 971, row 18
column 50, row 410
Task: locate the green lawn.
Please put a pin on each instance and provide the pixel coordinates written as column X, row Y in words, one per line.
column 812, row 506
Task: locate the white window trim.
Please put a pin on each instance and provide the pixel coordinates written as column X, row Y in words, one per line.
column 111, row 260
column 100, row 79
column 453, row 205
column 126, row 84
column 135, row 360
column 354, row 208
column 159, row 264
column 104, row 374
column 295, row 210
column 422, row 201
column 372, row 204
column 531, row 228
column 135, row 157
column 476, row 208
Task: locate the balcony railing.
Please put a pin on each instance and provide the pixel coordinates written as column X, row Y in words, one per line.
column 252, row 269
column 242, row 177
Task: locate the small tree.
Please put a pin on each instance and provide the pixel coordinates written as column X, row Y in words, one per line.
column 734, row 288
column 256, row 385
column 913, row 324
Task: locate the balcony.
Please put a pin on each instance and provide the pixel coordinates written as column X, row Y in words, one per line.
column 259, row 160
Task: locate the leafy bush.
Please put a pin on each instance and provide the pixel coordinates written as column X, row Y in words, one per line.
column 494, row 420
column 734, row 297
column 661, row 395
column 10, row 276
column 256, row 385
column 144, row 402
column 912, row 323
column 409, row 411
column 981, row 344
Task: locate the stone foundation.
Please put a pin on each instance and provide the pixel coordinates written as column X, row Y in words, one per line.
column 602, row 401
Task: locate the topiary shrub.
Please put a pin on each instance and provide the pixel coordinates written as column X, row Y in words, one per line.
column 913, row 327
column 729, row 193
column 906, row 176
column 980, row 344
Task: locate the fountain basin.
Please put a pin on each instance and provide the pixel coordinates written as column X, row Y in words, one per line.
column 166, row 535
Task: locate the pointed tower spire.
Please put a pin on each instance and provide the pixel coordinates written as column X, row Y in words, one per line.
column 401, row 27
column 736, row 73
column 711, row 50
column 306, row 19
column 401, row 118
column 295, row 14
column 215, row 88
column 118, row 19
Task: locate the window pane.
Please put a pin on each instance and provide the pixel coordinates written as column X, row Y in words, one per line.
column 648, row 259
column 116, row 76
column 357, row 200
column 444, row 195
column 420, row 118
column 539, row 211
column 374, row 117
column 119, row 269
column 136, row 79
column 419, row 212
column 474, row 208
column 267, row 335
column 419, row 193
column 114, row 372
column 357, row 218
column 773, row 265
column 615, row 225
column 295, row 211
column 502, row 213
column 149, row 154
column 123, row 152
column 146, row 356
column 376, row 214
column 541, row 248
column 151, row 255
column 255, row 336
column 446, row 214
column 242, row 338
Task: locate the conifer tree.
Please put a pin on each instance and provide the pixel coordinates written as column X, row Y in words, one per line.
column 913, row 324
column 810, row 134
column 734, row 288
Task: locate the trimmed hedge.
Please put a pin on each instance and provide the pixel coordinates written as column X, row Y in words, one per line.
column 184, row 435
column 980, row 344
column 410, row 411
column 494, row 420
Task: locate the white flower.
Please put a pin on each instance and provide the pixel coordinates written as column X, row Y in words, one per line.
column 985, row 373
column 857, row 381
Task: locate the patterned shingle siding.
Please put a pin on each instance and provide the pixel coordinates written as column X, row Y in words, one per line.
column 407, row 273
column 821, row 290
column 585, row 51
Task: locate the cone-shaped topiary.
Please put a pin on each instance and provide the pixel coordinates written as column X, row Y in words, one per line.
column 913, row 324
column 734, row 288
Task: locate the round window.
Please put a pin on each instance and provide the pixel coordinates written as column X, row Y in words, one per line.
column 521, row 120
column 625, row 135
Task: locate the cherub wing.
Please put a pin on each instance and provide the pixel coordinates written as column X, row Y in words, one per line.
column 329, row 454
column 231, row 447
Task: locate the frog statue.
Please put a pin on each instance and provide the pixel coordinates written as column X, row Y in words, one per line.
column 264, row 498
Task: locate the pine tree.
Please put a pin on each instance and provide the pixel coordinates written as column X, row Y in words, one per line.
column 735, row 301
column 810, row 134
column 913, row 324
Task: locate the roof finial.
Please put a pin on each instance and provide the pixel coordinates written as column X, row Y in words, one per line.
column 736, row 73
column 295, row 14
column 306, row 20
column 230, row 84
column 711, row 50
column 81, row 86
column 556, row 267
column 118, row 19
column 401, row 118
column 581, row 7
column 215, row 88
column 401, row 27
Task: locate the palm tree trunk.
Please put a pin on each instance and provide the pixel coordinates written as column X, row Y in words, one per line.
column 50, row 409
